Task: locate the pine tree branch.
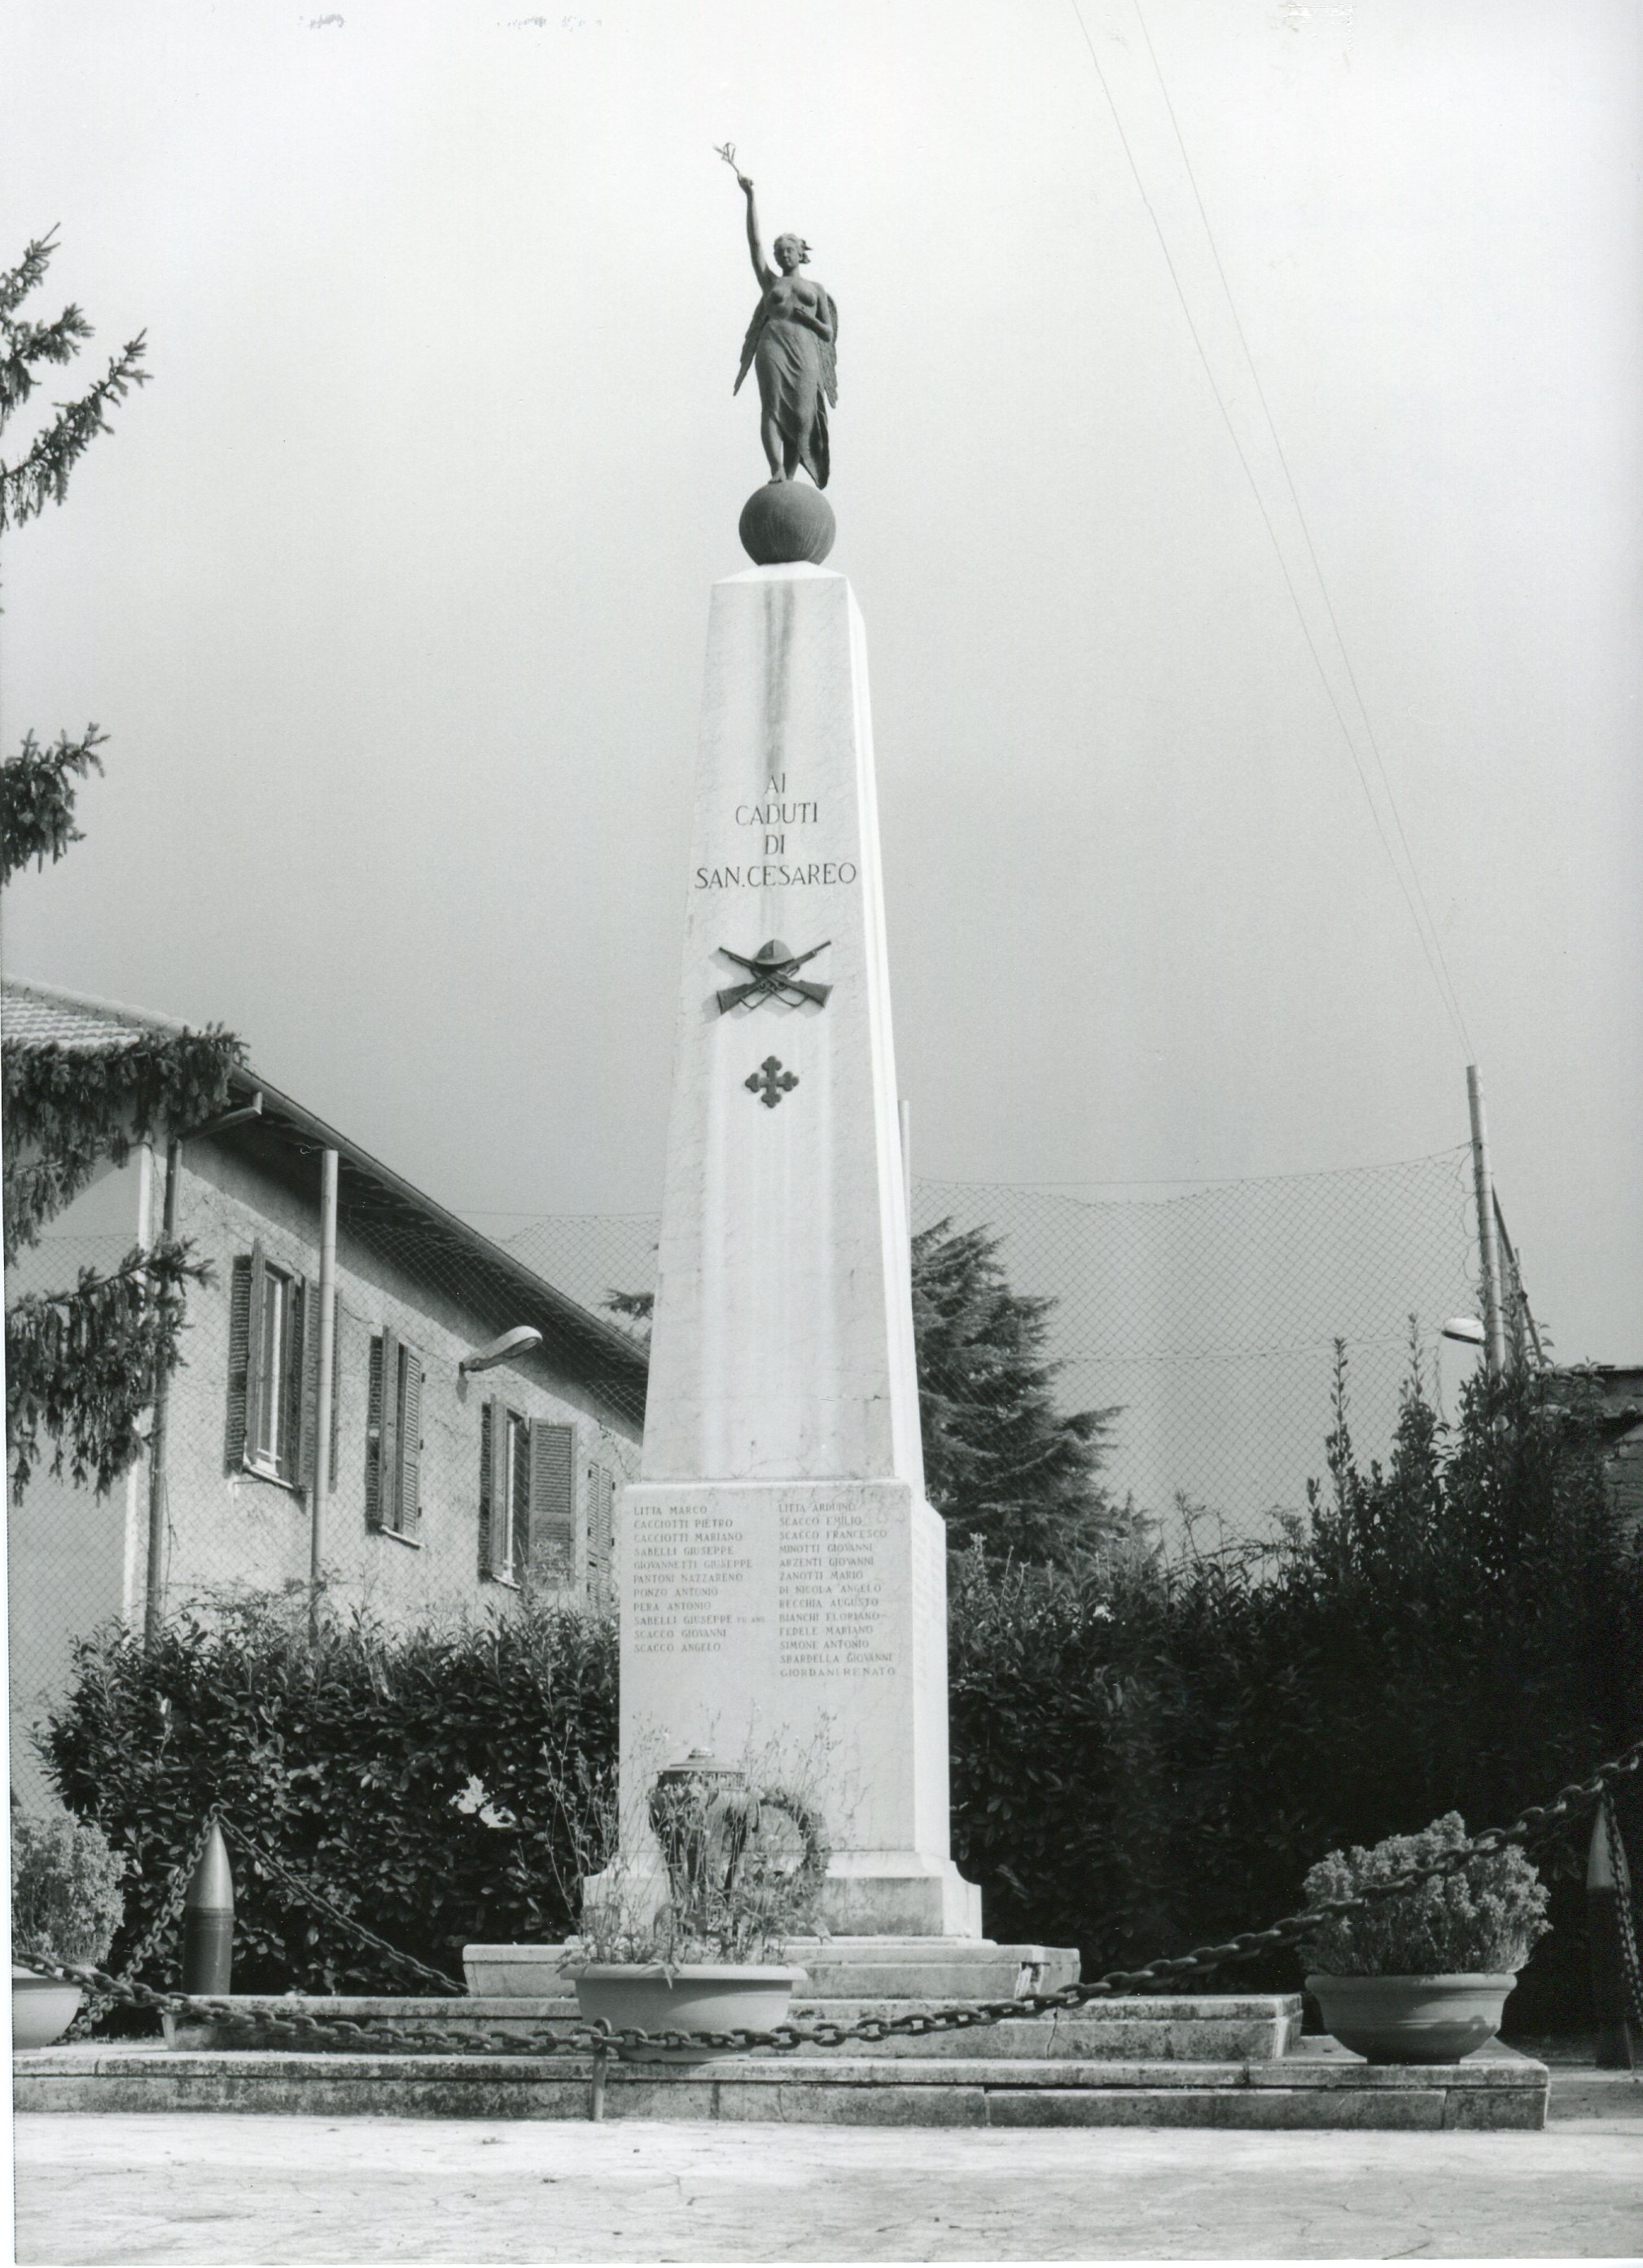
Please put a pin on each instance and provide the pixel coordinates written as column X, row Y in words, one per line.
column 41, row 477
column 25, row 344
column 82, row 1365
column 37, row 798
column 16, row 283
column 67, row 1108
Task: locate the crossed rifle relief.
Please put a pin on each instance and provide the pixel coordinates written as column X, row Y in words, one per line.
column 772, row 977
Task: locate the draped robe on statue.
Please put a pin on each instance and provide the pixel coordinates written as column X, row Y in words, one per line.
column 797, row 369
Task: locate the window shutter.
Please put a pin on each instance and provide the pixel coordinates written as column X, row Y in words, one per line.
column 306, row 1435
column 253, row 1428
column 239, row 1361
column 388, row 1434
column 487, row 1422
column 553, row 1502
column 410, row 1447
column 523, row 1483
column 292, row 1385
column 380, row 1407
column 601, row 1528
column 493, row 1480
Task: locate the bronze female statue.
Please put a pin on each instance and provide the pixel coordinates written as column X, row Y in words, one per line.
column 790, row 343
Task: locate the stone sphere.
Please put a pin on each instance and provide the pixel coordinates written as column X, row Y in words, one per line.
column 784, row 522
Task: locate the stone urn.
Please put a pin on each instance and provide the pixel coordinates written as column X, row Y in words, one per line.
column 700, row 1997
column 42, row 2009
column 1413, row 2019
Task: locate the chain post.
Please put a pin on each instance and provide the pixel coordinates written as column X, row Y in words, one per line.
column 207, row 1917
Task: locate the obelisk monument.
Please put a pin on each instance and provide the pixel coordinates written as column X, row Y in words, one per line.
column 781, row 1578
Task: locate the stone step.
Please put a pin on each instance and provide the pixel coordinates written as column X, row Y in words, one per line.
column 1203, row 2029
column 841, row 1968
column 1322, row 2086
column 1582, row 2091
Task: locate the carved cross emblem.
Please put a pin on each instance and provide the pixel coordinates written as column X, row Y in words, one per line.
column 772, row 976
column 770, row 1082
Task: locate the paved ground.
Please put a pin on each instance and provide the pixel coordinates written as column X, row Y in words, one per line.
column 182, row 2189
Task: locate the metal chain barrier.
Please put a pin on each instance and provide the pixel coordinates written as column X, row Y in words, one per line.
column 164, row 1926
column 307, row 1893
column 598, row 2039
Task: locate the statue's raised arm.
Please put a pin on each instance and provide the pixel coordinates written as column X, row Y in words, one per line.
column 762, row 266
column 790, row 344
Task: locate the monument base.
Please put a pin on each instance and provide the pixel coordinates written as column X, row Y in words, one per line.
column 871, row 1969
column 899, row 1894
column 799, row 1628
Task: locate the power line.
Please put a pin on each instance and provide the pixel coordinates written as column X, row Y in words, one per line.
column 1294, row 498
column 1445, row 991
column 1065, row 1182
column 1195, row 1181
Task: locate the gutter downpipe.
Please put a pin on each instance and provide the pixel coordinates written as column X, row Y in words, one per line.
column 322, row 1414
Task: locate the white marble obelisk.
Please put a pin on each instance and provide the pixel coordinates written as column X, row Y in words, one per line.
column 781, row 1578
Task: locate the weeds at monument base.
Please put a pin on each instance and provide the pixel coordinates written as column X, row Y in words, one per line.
column 743, row 1851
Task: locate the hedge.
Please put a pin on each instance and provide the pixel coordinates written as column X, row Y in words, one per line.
column 1151, row 1756
column 346, row 1761
column 1145, row 1756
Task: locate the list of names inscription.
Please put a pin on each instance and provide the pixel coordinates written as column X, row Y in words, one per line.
column 832, row 1556
column 690, row 1593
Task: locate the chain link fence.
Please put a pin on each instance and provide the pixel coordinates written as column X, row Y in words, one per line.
column 1205, row 1322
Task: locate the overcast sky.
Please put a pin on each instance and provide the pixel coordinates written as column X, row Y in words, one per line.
column 391, row 592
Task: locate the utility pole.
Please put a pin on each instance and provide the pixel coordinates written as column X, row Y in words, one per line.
column 1525, row 1331
column 1489, row 1253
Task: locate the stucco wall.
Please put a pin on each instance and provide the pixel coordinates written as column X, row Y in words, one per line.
column 70, row 1554
column 74, row 1561
column 231, row 1528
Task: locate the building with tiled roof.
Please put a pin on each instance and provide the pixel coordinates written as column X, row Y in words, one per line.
column 440, row 1488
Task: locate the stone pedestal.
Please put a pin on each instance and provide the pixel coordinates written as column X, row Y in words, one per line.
column 782, row 1580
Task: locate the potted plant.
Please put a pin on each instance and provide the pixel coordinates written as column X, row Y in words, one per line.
column 1422, row 1977
column 744, row 1867
column 66, row 1906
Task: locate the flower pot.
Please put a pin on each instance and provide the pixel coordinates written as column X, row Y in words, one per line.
column 702, row 1997
column 1413, row 2019
column 42, row 2009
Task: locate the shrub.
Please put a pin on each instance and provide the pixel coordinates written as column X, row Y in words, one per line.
column 66, row 1900
column 1482, row 1919
column 1145, row 1757
column 343, row 1760
column 1148, row 1756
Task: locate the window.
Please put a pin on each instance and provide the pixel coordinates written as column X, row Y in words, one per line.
column 527, row 1498
column 394, row 1440
column 269, row 1388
